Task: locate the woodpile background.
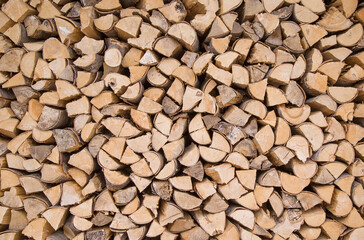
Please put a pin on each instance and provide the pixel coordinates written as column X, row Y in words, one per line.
column 191, row 119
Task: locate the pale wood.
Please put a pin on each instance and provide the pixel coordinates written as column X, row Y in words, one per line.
column 351, row 36
column 276, row 203
column 282, row 131
column 38, row 229
column 292, row 184
column 280, row 155
column 303, row 14
column 346, row 94
column 220, row 75
column 255, row 108
column 299, row 67
column 346, row 203
column 333, row 228
column 167, row 46
column 294, row 115
column 169, row 170
column 258, row 89
column 56, row 216
column 151, row 119
column 188, row 40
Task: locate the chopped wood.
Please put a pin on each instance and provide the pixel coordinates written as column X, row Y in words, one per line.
column 191, row 119
column 303, row 14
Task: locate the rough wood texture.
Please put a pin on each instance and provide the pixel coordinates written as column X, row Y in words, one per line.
column 181, row 119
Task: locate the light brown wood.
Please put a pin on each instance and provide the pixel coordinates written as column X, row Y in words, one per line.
column 258, row 89
column 346, row 94
column 292, row 184
column 167, row 46
column 294, row 115
column 38, row 229
column 303, row 14
column 161, row 119
column 333, row 228
column 56, row 217
column 339, row 196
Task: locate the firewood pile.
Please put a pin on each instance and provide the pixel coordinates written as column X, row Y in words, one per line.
column 181, row 119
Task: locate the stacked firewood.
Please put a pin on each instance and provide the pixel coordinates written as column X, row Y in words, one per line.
column 181, row 119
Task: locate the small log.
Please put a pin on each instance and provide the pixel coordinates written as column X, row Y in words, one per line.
column 71, row 144
column 38, row 229
column 255, row 108
column 261, row 53
column 304, row 15
column 56, row 217
column 219, row 75
column 204, row 189
column 351, row 36
column 333, row 228
column 264, row 139
column 188, row 40
column 71, row 194
column 222, row 173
